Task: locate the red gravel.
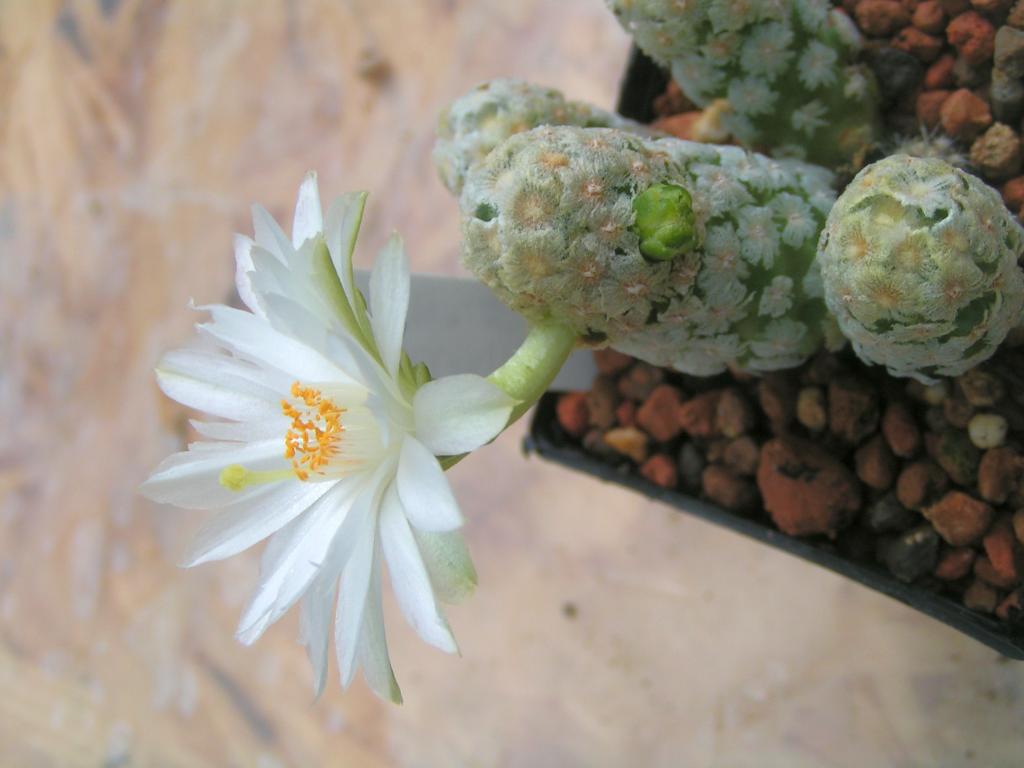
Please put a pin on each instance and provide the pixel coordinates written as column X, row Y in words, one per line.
column 804, row 490
column 959, row 519
column 659, row 415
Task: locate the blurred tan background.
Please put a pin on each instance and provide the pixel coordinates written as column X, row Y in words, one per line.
column 606, row 630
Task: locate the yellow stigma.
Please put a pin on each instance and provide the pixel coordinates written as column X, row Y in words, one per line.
column 237, row 478
column 315, row 433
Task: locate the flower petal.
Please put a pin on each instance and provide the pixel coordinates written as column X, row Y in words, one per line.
column 293, row 558
column 269, row 235
column 373, row 644
column 191, row 479
column 270, row 428
column 253, row 338
column 238, row 526
column 308, row 221
column 244, row 268
column 315, row 627
column 216, row 384
column 352, row 600
column 409, row 578
column 458, row 414
column 340, row 231
column 389, row 301
column 423, row 489
column 448, row 562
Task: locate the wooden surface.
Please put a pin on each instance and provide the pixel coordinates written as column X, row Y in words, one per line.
column 606, row 630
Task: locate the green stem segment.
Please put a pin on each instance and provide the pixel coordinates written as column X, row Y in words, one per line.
column 529, row 372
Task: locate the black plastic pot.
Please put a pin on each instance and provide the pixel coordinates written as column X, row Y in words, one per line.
column 642, row 83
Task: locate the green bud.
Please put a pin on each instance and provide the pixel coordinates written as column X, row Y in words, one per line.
column 665, row 222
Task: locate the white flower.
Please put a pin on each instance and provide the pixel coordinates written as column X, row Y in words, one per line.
column 325, row 440
column 817, row 66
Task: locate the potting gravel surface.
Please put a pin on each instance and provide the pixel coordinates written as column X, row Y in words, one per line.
column 926, row 481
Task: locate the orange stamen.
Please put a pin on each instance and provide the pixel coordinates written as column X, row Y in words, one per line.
column 315, row 433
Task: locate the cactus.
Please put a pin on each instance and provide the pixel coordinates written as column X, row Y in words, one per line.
column 786, row 68
column 481, row 119
column 683, row 254
column 920, row 267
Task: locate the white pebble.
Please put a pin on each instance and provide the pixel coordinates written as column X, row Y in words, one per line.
column 987, row 430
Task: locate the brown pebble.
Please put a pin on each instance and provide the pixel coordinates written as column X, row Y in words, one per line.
column 672, row 101
column 939, row 75
column 1016, row 16
column 1003, row 549
column 954, row 564
column 920, row 483
column 734, row 415
column 973, row 36
column 659, row 414
column 876, row 466
column 741, row 455
column 981, row 388
column 992, row 7
column 1010, row 608
column 960, row 519
column 920, row 45
column 639, row 381
column 610, row 362
column 996, row 153
column 625, row 414
column 881, row 18
column 681, row 125
column 728, row 489
column 822, row 369
column 806, row 490
column 929, row 17
column 998, row 473
column 900, row 430
column 964, row 115
column 715, row 450
column 852, row 409
column 928, row 107
column 954, row 7
column 811, row 409
column 1013, row 193
column 602, row 399
column 956, row 411
column 1009, row 52
column 628, row 441
column 697, row 415
column 953, row 450
column 660, row 470
column 777, row 396
column 981, row 597
column 986, row 571
column 573, row 414
column 1017, row 520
